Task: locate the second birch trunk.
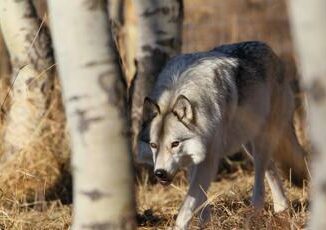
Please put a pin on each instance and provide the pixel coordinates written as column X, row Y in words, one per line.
column 29, row 46
column 160, row 24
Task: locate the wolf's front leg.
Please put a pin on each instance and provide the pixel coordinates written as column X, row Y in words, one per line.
column 194, row 203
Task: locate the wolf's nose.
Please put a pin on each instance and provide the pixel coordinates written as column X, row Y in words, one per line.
column 161, row 174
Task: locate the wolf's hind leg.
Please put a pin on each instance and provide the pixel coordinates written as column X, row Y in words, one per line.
column 279, row 199
column 261, row 157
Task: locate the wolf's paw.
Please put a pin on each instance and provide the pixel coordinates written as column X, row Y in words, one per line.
column 280, row 206
column 177, row 228
column 205, row 215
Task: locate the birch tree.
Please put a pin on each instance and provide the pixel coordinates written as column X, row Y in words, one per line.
column 29, row 46
column 93, row 90
column 308, row 18
column 160, row 24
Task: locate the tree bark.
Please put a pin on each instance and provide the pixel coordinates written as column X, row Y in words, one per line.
column 94, row 100
column 29, row 46
column 308, row 18
column 160, row 24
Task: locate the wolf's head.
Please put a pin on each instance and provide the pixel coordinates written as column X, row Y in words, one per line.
column 171, row 137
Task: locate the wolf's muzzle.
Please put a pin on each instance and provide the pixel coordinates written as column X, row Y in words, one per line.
column 162, row 176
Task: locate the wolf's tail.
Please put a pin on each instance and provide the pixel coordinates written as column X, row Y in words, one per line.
column 292, row 158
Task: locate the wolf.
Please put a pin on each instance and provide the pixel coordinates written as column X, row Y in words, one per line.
column 208, row 105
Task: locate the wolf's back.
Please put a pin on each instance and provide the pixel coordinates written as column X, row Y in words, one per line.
column 290, row 155
column 255, row 51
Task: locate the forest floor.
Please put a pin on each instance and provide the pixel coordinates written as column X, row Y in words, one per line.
column 158, row 206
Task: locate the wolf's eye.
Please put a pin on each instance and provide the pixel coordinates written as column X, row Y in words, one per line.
column 153, row 145
column 175, row 144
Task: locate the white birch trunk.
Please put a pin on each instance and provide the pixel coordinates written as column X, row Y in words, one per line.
column 29, row 46
column 93, row 94
column 308, row 22
column 160, row 25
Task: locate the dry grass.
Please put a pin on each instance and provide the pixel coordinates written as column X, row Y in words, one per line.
column 35, row 190
column 230, row 202
column 35, row 187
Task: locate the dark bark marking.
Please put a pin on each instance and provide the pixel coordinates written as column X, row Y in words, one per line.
column 146, row 48
column 181, row 9
column 163, row 10
column 32, row 83
column 96, row 63
column 177, row 12
column 110, row 87
column 30, row 11
column 29, row 81
column 84, row 122
column 41, row 53
column 323, row 188
column 95, row 195
column 156, row 57
column 76, row 98
column 94, row 4
column 82, row 126
column 317, row 91
column 170, row 42
column 160, row 32
column 115, row 89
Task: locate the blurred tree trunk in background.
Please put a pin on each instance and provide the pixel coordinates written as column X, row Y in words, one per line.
column 116, row 17
column 94, row 95
column 116, row 10
column 5, row 68
column 308, row 19
column 160, row 26
column 30, row 51
column 5, row 71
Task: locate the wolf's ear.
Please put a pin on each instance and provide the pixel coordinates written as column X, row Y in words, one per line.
column 183, row 109
column 150, row 109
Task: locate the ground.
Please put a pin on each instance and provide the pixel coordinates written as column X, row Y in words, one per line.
column 230, row 201
column 158, row 207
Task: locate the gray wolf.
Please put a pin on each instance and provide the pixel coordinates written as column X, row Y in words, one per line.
column 208, row 105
